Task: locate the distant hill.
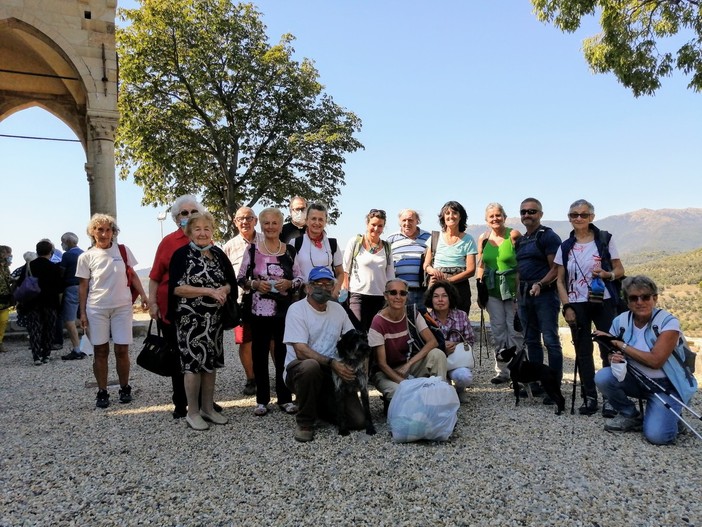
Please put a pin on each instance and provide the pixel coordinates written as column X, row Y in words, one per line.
column 641, row 235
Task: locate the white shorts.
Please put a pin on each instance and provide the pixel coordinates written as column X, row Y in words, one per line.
column 116, row 320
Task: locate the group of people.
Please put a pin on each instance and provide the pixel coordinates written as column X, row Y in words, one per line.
column 298, row 294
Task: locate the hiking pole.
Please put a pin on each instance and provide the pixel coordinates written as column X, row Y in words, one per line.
column 644, row 380
column 483, row 335
column 573, row 336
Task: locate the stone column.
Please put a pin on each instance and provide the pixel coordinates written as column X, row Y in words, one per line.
column 100, row 168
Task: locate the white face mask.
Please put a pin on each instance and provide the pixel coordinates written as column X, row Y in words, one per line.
column 618, row 370
column 298, row 216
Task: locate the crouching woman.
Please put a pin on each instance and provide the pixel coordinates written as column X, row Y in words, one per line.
column 397, row 357
column 646, row 338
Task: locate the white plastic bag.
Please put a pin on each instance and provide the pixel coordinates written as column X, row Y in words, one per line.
column 461, row 357
column 423, row 408
column 85, row 345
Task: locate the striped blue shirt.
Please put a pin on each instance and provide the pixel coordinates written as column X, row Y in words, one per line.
column 407, row 256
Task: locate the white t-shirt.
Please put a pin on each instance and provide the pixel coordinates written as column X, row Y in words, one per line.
column 105, row 268
column 581, row 261
column 370, row 272
column 320, row 330
column 638, row 341
column 311, row 256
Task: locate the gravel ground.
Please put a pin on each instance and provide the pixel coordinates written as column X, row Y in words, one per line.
column 66, row 463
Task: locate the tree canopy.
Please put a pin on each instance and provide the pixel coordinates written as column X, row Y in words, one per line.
column 209, row 107
column 636, row 39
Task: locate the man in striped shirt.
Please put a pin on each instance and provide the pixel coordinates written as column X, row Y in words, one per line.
column 408, row 248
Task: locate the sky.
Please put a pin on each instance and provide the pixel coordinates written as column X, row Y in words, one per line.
column 477, row 102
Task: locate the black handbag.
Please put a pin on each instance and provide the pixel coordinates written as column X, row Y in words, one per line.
column 230, row 313
column 157, row 356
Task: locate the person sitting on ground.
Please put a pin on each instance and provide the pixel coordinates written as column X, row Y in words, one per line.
column 296, row 226
column 106, row 303
column 69, row 302
column 312, row 328
column 645, row 338
column 441, row 298
column 408, row 248
column 41, row 311
column 200, row 278
column 397, row 355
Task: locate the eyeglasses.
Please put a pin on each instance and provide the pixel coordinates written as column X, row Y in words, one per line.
column 242, row 219
column 377, row 212
column 325, row 285
column 530, row 212
column 643, row 298
column 395, row 292
column 583, row 215
column 187, row 213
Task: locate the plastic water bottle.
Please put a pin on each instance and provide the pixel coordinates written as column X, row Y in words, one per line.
column 343, row 295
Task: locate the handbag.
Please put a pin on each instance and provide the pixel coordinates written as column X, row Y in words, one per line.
column 29, row 289
column 131, row 274
column 462, row 357
column 230, row 313
column 156, row 355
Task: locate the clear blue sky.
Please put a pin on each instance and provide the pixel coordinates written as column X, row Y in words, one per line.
column 472, row 101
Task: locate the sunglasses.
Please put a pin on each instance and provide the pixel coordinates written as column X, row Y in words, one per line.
column 187, row 213
column 643, row 298
column 583, row 215
column 529, row 212
column 379, row 212
column 395, row 292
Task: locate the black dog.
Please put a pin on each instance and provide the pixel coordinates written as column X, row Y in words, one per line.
column 354, row 351
column 523, row 371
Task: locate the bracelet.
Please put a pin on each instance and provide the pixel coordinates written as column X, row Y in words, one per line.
column 539, row 284
column 624, row 347
column 612, row 278
column 330, row 361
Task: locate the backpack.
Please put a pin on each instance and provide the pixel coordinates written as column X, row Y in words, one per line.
column 537, row 239
column 417, row 341
column 357, row 249
column 434, row 243
column 602, row 239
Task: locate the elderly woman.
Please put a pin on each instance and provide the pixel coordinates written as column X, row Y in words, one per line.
column 6, row 286
column 314, row 248
column 181, row 210
column 441, row 298
column 106, row 303
column 200, row 278
column 454, row 258
column 586, row 259
column 269, row 274
column 397, row 355
column 42, row 311
column 367, row 267
column 498, row 270
column 644, row 347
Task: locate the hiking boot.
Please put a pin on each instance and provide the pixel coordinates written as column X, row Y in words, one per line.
column 103, row 399
column 250, row 387
column 588, row 407
column 303, row 434
column 73, row 355
column 608, row 410
column 125, row 394
column 622, row 423
column 499, row 379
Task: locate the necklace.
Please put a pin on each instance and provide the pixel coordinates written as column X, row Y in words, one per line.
column 373, row 248
column 268, row 251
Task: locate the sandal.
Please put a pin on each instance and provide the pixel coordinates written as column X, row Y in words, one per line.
column 288, row 408
column 260, row 410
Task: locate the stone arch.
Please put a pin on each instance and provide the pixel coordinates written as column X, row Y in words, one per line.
column 61, row 57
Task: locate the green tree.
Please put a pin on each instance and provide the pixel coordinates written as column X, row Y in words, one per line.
column 634, row 36
column 209, row 107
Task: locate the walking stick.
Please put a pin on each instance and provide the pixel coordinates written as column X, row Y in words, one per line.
column 483, row 333
column 573, row 336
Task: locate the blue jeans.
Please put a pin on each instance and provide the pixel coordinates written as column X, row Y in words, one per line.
column 660, row 425
column 539, row 316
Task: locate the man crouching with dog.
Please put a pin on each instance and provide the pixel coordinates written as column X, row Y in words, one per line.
column 313, row 327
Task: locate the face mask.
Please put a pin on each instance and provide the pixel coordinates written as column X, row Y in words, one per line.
column 320, row 295
column 8, row 259
column 298, row 216
column 201, row 249
column 183, row 223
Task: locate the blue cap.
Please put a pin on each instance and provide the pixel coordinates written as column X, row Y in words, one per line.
column 320, row 273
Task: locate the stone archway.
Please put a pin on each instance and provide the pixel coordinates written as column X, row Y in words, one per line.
column 61, row 57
